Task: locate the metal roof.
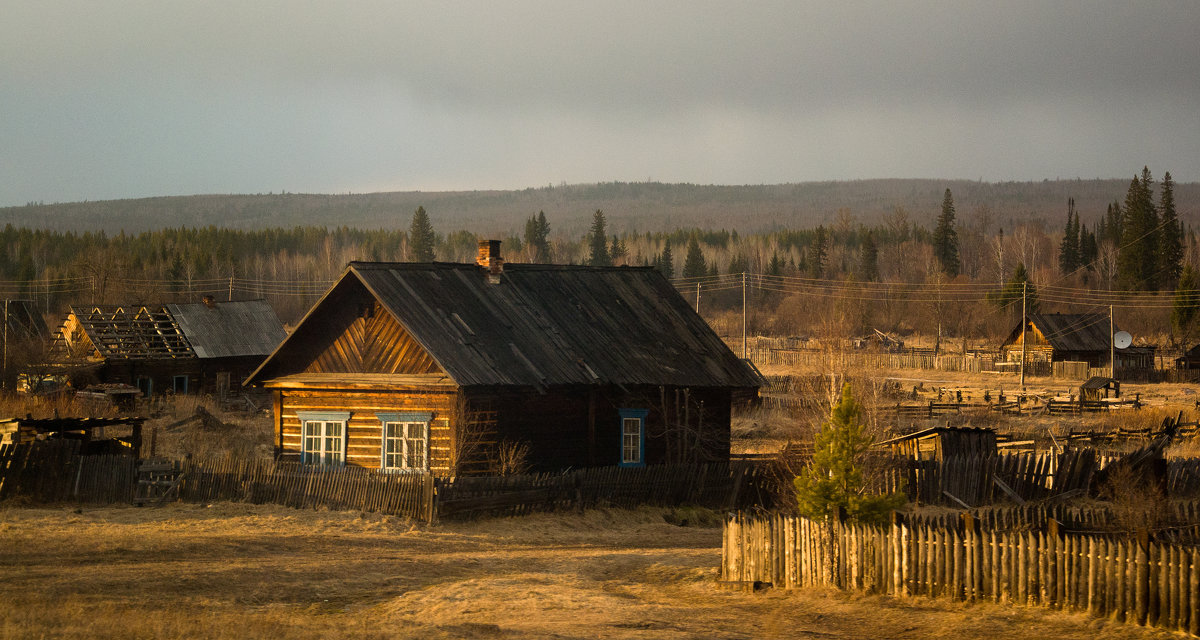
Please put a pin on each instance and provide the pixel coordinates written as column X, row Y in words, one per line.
column 1074, row 331
column 543, row 325
column 1098, row 382
column 178, row 330
column 225, row 329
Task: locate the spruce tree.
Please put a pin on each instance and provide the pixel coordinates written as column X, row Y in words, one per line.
column 775, row 266
column 1088, row 251
column 945, row 238
column 833, row 479
column 665, row 262
column 693, row 263
column 421, row 238
column 1186, row 305
column 1009, row 297
column 1137, row 261
column 537, row 237
column 817, row 253
column 738, row 264
column 1170, row 243
column 598, row 238
column 868, row 259
column 1111, row 226
column 617, row 250
column 1068, row 250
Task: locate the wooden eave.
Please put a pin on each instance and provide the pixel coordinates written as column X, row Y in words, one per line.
column 363, row 381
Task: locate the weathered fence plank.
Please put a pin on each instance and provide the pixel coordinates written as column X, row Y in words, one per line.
column 1129, row 580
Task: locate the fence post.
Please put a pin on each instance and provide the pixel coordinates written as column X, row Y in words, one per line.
column 429, row 499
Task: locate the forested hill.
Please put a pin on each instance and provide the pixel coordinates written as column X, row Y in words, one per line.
column 647, row 206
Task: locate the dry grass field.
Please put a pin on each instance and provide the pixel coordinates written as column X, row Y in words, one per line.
column 238, row 571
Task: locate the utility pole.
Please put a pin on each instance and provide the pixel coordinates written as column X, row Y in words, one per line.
column 5, row 380
column 697, row 298
column 745, row 350
column 231, row 286
column 1024, row 326
column 1112, row 346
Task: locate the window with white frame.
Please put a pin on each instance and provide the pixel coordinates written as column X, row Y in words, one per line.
column 633, row 437
column 323, row 438
column 405, row 441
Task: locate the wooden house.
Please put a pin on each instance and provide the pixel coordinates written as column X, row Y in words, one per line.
column 207, row 347
column 1075, row 337
column 456, row 368
column 939, row 443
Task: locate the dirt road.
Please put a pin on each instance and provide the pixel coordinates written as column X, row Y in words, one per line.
column 238, row 571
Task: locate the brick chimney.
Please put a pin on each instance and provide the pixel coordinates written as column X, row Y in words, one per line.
column 489, row 258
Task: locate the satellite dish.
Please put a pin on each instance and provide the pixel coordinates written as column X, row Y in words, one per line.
column 1122, row 339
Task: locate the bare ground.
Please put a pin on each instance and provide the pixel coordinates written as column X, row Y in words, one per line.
column 236, row 571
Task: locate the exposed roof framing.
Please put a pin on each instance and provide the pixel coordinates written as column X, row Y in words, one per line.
column 173, row 331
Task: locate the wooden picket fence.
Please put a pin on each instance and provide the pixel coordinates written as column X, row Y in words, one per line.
column 1129, row 580
column 53, row 471
column 717, row 485
column 425, row 498
column 972, row 481
column 293, row 485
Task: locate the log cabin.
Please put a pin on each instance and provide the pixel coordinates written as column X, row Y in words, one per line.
column 204, row 347
column 1076, row 337
column 454, row 369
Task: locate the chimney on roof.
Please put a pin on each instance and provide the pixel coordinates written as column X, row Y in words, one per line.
column 209, row 302
column 489, row 258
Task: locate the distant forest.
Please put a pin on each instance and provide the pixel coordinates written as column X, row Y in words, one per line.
column 630, row 207
column 875, row 254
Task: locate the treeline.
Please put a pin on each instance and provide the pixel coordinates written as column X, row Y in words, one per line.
column 954, row 275
column 636, row 206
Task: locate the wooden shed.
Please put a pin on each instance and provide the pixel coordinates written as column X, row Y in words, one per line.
column 459, row 368
column 207, row 347
column 939, row 443
column 1099, row 388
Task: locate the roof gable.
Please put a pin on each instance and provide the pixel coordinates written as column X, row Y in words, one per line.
column 373, row 342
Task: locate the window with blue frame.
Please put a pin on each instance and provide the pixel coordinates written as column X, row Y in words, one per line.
column 633, row 437
column 323, row 437
column 405, row 441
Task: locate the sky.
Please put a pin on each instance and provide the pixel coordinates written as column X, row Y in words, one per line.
column 122, row 99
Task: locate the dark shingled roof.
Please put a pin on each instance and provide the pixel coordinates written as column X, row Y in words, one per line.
column 1073, row 331
column 238, row 328
column 545, row 325
column 1097, row 382
column 225, row 329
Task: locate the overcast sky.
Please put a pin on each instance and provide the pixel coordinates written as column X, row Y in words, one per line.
column 115, row 99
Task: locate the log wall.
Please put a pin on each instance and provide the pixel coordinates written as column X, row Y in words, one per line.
column 364, row 441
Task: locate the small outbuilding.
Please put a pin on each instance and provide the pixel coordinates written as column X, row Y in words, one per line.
column 1099, row 388
column 939, row 443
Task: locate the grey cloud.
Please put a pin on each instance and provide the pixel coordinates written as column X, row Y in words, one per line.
column 137, row 98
